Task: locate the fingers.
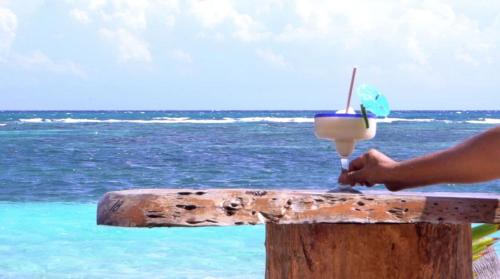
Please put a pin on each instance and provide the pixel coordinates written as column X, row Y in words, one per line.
column 357, row 163
column 353, row 177
column 343, row 179
column 364, row 159
column 367, row 184
column 394, row 187
column 357, row 176
column 367, row 169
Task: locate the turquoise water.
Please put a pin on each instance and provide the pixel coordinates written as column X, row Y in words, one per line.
column 61, row 240
column 54, row 167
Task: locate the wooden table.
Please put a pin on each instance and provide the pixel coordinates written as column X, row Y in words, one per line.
column 326, row 235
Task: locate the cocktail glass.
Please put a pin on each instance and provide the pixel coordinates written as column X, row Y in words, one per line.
column 344, row 130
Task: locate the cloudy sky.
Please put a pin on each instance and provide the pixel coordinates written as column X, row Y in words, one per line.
column 260, row 54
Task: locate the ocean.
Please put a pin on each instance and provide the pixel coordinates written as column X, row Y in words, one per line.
column 55, row 165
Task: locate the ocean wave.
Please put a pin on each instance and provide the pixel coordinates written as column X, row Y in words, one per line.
column 3, row 124
column 390, row 120
column 485, row 121
column 226, row 120
column 232, row 120
column 277, row 119
column 137, row 121
column 172, row 120
column 32, row 120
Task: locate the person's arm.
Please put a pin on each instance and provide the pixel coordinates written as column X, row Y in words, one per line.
column 475, row 160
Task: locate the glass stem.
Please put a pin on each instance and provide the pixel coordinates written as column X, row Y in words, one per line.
column 344, row 165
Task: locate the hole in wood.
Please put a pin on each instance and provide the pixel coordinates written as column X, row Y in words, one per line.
column 187, row 206
column 155, row 215
column 230, row 211
column 194, row 222
column 184, row 193
column 256, row 193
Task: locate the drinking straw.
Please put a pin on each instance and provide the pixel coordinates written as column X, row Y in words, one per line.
column 350, row 89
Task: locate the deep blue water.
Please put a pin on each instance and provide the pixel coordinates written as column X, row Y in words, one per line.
column 54, row 166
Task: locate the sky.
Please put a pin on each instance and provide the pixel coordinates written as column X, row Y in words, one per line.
column 259, row 54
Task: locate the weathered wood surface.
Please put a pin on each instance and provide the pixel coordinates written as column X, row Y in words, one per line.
column 365, row 251
column 225, row 207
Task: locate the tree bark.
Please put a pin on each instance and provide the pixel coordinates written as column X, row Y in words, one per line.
column 361, row 251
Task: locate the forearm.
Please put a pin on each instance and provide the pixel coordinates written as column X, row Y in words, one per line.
column 475, row 160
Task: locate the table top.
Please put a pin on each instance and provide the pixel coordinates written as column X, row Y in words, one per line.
column 227, row 207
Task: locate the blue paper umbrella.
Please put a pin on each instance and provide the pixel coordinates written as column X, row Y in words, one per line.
column 373, row 100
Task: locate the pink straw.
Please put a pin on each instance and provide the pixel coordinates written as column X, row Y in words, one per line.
column 350, row 89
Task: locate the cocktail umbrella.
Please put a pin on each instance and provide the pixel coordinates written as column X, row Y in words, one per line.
column 373, row 100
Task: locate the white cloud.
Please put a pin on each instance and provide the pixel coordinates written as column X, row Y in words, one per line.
column 466, row 58
column 38, row 60
column 8, row 26
column 80, row 16
column 122, row 22
column 169, row 21
column 182, row 56
column 416, row 53
column 408, row 34
column 212, row 13
column 247, row 29
column 274, row 59
column 130, row 47
column 217, row 12
column 130, row 14
column 421, row 33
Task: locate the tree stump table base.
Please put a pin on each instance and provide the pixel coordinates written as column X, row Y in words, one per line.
column 368, row 251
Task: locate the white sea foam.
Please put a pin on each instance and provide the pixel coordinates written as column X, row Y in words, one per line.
column 137, row 121
column 32, row 120
column 72, row 120
column 485, row 121
column 277, row 119
column 172, row 120
column 233, row 120
column 390, row 120
column 168, row 120
column 3, row 124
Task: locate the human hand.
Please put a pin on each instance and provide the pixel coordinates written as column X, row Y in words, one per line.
column 372, row 168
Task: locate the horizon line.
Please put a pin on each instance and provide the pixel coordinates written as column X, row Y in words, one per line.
column 215, row 110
